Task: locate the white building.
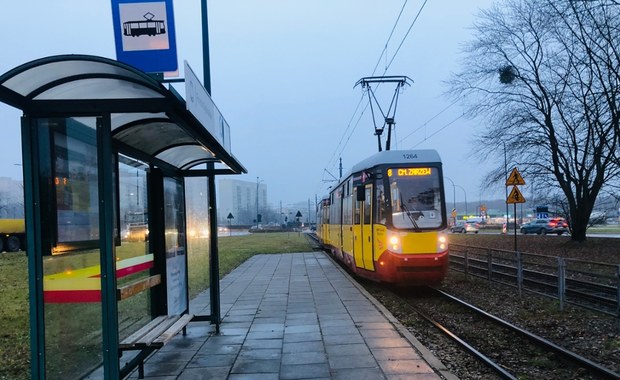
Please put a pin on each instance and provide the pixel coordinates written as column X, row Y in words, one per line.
column 243, row 199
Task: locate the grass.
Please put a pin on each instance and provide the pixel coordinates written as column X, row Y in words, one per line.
column 14, row 337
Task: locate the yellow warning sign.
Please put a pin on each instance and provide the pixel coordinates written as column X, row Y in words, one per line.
column 515, row 178
column 515, row 196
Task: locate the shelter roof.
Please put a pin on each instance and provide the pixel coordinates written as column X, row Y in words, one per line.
column 147, row 118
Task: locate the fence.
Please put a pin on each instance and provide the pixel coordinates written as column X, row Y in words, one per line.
column 591, row 285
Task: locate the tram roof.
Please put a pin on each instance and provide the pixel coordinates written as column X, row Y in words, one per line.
column 148, row 119
column 420, row 156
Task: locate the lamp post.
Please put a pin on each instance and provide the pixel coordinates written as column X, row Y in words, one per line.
column 506, row 176
column 257, row 183
column 453, row 196
column 464, row 193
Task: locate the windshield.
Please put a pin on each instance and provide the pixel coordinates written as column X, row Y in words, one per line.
column 416, row 198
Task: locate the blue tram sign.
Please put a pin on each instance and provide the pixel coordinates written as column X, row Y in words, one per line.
column 144, row 34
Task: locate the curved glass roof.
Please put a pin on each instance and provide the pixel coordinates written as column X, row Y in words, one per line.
column 147, row 118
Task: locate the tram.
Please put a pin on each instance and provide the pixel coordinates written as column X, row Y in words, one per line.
column 386, row 220
column 144, row 27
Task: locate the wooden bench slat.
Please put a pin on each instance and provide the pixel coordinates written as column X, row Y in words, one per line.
column 147, row 339
column 173, row 330
column 131, row 340
column 137, row 287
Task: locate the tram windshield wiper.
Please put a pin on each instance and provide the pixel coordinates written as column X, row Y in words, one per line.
column 404, row 208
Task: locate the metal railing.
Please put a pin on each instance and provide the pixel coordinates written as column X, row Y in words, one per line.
column 595, row 286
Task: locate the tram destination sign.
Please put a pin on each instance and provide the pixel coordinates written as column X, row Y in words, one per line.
column 144, row 34
column 409, row 172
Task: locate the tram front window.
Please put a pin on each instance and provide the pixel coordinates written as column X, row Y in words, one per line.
column 416, row 198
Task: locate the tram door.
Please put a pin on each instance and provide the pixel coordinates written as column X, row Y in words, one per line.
column 363, row 230
column 367, row 241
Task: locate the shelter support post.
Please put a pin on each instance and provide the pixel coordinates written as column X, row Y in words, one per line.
column 32, row 196
column 109, row 305
column 214, row 260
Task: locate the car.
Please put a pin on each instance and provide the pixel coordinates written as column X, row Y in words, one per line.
column 545, row 226
column 464, row 227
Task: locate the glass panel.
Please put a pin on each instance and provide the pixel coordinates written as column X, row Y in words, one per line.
column 367, row 203
column 416, row 197
column 98, row 88
column 183, row 155
column 174, row 221
column 71, row 282
column 196, row 199
column 75, row 168
column 133, row 259
column 35, row 77
column 380, row 212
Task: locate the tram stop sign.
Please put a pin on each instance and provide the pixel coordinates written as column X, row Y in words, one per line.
column 144, row 34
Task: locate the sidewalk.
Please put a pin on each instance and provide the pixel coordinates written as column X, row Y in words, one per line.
column 293, row 316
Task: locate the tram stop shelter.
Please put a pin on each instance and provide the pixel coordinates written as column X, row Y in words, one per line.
column 109, row 156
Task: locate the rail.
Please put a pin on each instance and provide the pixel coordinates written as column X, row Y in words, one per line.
column 595, row 286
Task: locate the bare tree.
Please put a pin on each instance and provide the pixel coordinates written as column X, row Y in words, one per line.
column 543, row 75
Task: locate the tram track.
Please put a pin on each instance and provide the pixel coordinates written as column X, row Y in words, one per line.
column 508, row 350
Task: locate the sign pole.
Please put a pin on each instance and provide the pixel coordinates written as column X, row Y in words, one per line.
column 515, row 215
column 515, row 196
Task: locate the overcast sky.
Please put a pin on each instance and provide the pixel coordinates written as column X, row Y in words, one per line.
column 283, row 75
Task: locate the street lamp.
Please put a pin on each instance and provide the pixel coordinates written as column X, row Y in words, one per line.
column 257, row 183
column 464, row 193
column 453, row 195
column 506, row 176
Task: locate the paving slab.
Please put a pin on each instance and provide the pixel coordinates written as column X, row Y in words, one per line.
column 294, row 316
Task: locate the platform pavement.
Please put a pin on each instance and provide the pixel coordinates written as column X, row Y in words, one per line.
column 294, row 316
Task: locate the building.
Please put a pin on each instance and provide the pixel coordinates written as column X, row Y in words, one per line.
column 243, row 199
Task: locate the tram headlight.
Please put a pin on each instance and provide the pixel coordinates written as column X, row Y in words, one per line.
column 395, row 244
column 442, row 242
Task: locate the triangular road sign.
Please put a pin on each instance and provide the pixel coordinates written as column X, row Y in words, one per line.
column 515, row 196
column 515, row 178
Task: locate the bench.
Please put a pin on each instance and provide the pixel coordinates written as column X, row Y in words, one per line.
column 155, row 334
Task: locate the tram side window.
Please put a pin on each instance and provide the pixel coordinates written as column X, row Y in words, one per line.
column 380, row 211
column 367, row 205
column 356, row 209
column 347, row 217
column 335, row 210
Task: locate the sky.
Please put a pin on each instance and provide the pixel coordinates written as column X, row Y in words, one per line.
column 283, row 74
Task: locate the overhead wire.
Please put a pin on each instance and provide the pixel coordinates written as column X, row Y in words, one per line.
column 389, row 38
column 340, row 149
column 439, row 130
column 429, row 120
column 406, row 35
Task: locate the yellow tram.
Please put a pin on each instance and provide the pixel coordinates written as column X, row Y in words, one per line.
column 386, row 220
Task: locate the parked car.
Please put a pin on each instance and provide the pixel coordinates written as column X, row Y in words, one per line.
column 545, row 226
column 465, row 227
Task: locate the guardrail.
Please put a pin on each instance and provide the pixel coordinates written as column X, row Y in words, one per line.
column 595, row 286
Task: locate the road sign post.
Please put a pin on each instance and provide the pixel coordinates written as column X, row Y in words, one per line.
column 515, row 196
